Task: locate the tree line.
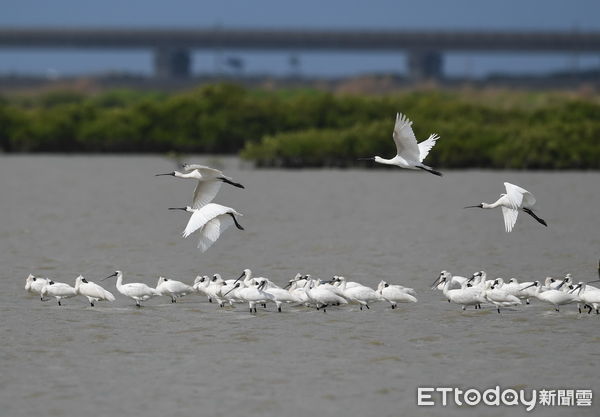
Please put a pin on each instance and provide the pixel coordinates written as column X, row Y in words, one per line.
column 295, row 128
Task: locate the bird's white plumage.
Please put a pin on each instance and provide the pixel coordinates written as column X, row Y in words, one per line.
column 426, row 145
column 518, row 197
column 205, row 192
column 210, row 221
column 510, row 218
column 206, row 172
column 404, row 137
column 92, row 291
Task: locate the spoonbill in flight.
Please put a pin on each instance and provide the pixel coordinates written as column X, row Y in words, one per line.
column 210, row 220
column 208, row 185
column 515, row 199
column 135, row 290
column 92, row 291
column 409, row 153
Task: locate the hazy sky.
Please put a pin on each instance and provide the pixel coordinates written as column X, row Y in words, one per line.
column 323, row 14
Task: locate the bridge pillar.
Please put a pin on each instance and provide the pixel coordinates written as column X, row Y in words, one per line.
column 425, row 65
column 172, row 63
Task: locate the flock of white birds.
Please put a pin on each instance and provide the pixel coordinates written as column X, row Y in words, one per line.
column 302, row 290
column 209, row 220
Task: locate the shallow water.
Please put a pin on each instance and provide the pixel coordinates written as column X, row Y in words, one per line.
column 67, row 215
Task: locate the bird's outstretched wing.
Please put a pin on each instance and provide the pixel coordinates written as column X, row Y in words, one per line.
column 510, row 218
column 426, row 145
column 518, row 197
column 205, row 192
column 406, row 142
column 212, row 230
column 202, row 216
column 205, row 171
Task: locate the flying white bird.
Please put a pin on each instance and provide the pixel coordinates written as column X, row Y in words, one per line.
column 92, row 291
column 210, row 220
column 58, row 290
column 409, row 153
column 209, row 182
column 172, row 288
column 515, row 199
column 135, row 290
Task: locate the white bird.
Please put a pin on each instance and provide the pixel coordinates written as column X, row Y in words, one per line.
column 466, row 295
column 395, row 294
column 521, row 290
column 92, row 291
column 213, row 289
column 591, row 297
column 454, row 280
column 496, row 295
column 361, row 295
column 254, row 294
column 172, row 288
column 58, row 290
column 209, row 182
column 137, row 291
column 34, row 285
column 210, row 221
column 515, row 199
column 200, row 285
column 321, row 297
column 554, row 297
column 409, row 153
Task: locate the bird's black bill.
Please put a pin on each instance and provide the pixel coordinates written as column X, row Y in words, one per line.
column 240, row 277
column 239, row 226
column 366, row 159
column 170, row 173
column 110, row 276
column 234, row 287
column 177, row 208
column 529, row 286
column 477, row 206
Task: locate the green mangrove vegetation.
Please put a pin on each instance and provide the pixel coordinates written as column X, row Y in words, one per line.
column 300, row 128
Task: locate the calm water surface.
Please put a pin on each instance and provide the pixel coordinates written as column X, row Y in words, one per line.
column 63, row 216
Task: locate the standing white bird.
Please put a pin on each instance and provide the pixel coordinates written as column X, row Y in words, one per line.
column 58, row 290
column 409, row 153
column 515, row 199
column 92, row 291
column 495, row 294
column 395, row 294
column 34, row 285
column 172, row 288
column 209, row 182
column 554, row 297
column 210, row 220
column 361, row 295
column 135, row 290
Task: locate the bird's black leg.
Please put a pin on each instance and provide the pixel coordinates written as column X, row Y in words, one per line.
column 59, row 303
column 532, row 214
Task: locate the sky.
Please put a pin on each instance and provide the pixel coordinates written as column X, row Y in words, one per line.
column 565, row 15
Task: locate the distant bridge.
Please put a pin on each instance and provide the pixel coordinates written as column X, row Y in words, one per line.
column 425, row 48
